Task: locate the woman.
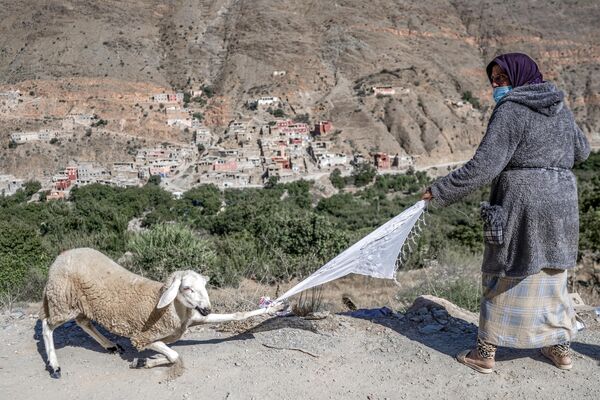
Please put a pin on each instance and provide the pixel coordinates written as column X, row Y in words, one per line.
column 531, row 222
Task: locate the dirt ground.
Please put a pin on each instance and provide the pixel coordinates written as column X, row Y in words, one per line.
column 377, row 354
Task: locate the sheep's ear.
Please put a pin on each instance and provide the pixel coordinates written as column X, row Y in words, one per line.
column 169, row 295
column 207, row 278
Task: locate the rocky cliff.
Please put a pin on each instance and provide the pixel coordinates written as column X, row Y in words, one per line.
column 107, row 56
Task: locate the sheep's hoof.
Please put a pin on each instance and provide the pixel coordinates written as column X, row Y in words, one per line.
column 117, row 348
column 54, row 373
column 138, row 363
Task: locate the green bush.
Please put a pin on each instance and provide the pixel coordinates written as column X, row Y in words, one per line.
column 166, row 248
column 336, row 179
column 23, row 258
column 363, row 174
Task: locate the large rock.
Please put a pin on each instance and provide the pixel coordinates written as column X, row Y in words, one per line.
column 430, row 304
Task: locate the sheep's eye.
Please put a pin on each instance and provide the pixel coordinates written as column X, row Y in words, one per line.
column 188, row 288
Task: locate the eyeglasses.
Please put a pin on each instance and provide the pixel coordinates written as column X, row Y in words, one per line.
column 500, row 79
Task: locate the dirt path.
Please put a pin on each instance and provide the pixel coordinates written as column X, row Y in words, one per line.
column 391, row 356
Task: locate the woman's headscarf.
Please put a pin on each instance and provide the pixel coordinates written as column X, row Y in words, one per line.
column 519, row 67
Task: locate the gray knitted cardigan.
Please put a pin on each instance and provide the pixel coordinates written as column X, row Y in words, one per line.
column 527, row 152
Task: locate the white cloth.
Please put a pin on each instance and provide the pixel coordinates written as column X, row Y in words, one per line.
column 374, row 255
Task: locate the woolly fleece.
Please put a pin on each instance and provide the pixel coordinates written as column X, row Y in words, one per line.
column 86, row 282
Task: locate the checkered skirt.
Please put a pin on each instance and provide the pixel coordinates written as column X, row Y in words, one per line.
column 530, row 312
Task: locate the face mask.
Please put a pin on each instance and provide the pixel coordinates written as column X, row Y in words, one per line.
column 500, row 92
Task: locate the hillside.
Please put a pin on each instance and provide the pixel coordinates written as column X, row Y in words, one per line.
column 109, row 57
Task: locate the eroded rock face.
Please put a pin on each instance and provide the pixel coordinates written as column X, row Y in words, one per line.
column 432, row 53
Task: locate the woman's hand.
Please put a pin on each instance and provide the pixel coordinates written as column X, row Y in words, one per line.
column 427, row 195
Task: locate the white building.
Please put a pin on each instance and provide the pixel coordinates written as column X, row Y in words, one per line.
column 9, row 185
column 43, row 135
column 331, row 160
column 267, row 101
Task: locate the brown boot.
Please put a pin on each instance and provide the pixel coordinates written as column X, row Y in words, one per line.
column 560, row 355
column 481, row 359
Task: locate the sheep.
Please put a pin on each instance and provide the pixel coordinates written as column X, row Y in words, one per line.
column 85, row 285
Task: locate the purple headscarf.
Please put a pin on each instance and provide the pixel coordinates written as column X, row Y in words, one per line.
column 519, row 67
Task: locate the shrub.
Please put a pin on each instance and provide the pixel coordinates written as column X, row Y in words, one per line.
column 468, row 96
column 166, row 248
column 208, row 91
column 336, row 179
column 363, row 174
column 23, row 257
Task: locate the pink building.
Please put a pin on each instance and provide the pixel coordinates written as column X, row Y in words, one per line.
column 382, row 160
column 323, row 128
column 225, row 165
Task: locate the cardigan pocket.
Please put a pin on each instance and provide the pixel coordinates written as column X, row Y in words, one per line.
column 493, row 223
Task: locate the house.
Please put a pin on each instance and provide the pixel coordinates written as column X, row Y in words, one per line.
column 81, row 119
column 323, row 128
column 168, row 97
column 203, row 136
column 222, row 164
column 9, row 185
column 88, row 173
column 160, row 98
column 71, row 172
column 43, row 135
column 330, row 160
column 319, row 147
column 403, row 161
column 383, row 90
column 381, row 160
column 56, row 195
column 267, row 101
column 294, row 130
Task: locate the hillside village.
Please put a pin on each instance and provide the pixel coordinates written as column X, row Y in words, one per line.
column 250, row 151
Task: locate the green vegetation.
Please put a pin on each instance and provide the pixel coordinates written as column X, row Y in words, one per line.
column 337, row 180
column 270, row 235
column 208, row 91
column 468, row 96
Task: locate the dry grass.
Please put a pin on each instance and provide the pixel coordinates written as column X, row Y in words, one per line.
column 452, row 272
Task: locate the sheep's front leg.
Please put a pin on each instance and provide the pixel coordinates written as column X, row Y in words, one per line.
column 169, row 356
column 238, row 316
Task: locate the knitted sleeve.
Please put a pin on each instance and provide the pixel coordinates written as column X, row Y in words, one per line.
column 582, row 147
column 503, row 134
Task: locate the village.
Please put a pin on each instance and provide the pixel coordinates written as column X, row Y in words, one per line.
column 249, row 152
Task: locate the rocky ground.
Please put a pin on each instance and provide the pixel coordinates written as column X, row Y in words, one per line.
column 369, row 354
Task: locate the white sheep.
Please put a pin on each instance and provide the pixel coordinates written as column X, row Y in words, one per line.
column 85, row 285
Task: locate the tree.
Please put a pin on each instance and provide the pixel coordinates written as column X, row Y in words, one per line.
column 22, row 255
column 205, row 197
column 278, row 113
column 154, row 180
column 208, row 91
column 336, row 179
column 363, row 174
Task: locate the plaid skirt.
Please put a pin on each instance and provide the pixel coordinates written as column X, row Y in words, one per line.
column 530, row 312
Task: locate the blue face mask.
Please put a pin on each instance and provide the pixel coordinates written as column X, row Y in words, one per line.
column 500, row 92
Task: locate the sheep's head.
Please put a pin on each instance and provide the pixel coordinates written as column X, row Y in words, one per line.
column 189, row 288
